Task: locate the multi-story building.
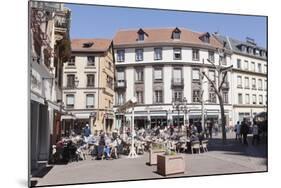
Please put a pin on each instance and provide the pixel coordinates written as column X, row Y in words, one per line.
column 48, row 49
column 88, row 85
column 161, row 66
column 249, row 77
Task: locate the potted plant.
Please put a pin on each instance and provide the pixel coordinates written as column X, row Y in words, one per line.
column 170, row 163
column 155, row 150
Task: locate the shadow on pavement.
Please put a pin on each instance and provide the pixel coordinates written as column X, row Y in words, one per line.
column 234, row 147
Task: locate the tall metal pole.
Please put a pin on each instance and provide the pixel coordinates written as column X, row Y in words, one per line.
column 133, row 153
column 178, row 115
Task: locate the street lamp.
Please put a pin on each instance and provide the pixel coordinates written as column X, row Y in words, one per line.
column 176, row 105
column 180, row 106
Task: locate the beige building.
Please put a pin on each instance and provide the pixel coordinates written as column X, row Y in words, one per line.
column 88, row 85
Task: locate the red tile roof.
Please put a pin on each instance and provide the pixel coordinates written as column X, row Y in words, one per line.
column 163, row 35
column 99, row 45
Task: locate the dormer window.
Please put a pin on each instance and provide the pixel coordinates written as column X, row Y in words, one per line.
column 250, row 50
column 141, row 35
column 257, row 52
column 88, row 44
column 205, row 37
column 243, row 48
column 176, row 34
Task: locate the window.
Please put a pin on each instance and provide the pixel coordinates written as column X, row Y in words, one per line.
column 212, row 97
column 260, row 84
column 243, row 48
column 195, row 54
column 141, row 36
column 120, row 78
column 177, row 75
column 259, row 68
column 265, row 69
column 139, row 75
column 253, row 66
column 120, row 55
column 109, row 81
column 223, row 60
column 120, row 98
column 70, row 80
column 196, row 96
column 158, row 75
column 177, row 53
column 157, row 53
column 212, row 75
column 176, row 34
column 90, row 100
column 71, row 61
column 158, row 96
column 70, row 101
column 247, row 99
column 246, row 63
column 247, row 83
column 90, row 80
column 260, row 99
column 239, row 81
column 238, row 63
column 265, row 97
column 265, row 85
column 225, row 97
column 240, row 98
column 195, row 75
column 139, row 54
column 177, row 95
column 250, row 50
column 254, row 99
column 211, row 56
column 254, row 83
column 91, row 60
column 139, row 96
column 257, row 52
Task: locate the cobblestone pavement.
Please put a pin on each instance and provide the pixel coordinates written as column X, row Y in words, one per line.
column 231, row 158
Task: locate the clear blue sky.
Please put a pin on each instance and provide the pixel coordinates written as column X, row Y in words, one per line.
column 88, row 21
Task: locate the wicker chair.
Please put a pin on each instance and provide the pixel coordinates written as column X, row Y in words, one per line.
column 195, row 145
column 204, row 145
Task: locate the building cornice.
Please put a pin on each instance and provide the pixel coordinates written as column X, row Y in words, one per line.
column 249, row 72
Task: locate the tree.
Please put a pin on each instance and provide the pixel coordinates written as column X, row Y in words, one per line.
column 221, row 72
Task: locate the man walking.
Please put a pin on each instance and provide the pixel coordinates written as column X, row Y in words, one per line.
column 244, row 131
column 86, row 132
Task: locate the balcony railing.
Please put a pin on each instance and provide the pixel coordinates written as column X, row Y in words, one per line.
column 120, row 84
column 177, row 82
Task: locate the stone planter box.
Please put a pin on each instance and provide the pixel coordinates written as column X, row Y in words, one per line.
column 170, row 164
column 153, row 156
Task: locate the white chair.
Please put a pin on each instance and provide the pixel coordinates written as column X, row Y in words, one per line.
column 195, row 145
column 204, row 145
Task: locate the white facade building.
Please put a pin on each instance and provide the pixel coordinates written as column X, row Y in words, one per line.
column 249, row 77
column 159, row 66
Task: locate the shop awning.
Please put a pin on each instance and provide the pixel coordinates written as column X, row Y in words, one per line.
column 67, row 116
column 37, row 98
column 53, row 105
column 82, row 116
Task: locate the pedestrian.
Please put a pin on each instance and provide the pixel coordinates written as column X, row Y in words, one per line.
column 216, row 128
column 210, row 129
column 244, row 131
column 237, row 130
column 86, row 132
column 256, row 136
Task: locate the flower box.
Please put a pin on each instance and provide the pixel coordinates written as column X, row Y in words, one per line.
column 153, row 155
column 170, row 164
